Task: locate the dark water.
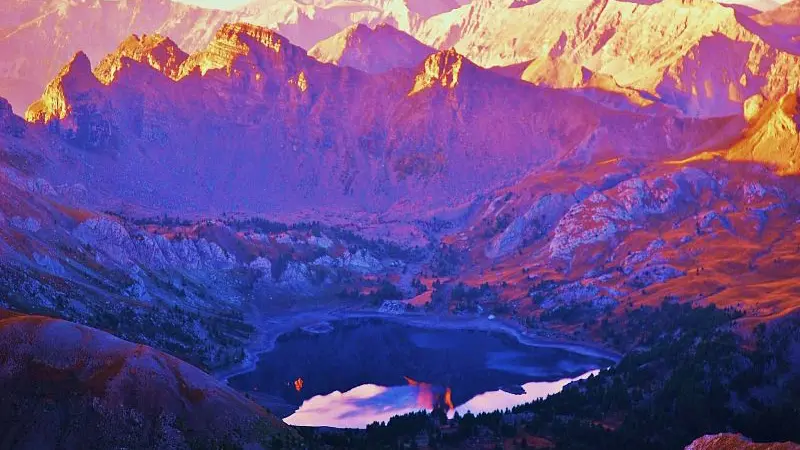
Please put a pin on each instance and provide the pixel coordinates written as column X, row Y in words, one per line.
column 359, row 353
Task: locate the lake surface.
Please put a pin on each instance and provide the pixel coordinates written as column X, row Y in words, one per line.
column 358, row 371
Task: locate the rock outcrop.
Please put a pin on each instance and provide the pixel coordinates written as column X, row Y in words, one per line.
column 773, row 135
column 442, row 69
column 736, row 442
column 158, row 52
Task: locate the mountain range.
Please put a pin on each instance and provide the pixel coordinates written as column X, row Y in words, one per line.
column 604, row 36
column 174, row 175
column 154, row 118
column 37, row 39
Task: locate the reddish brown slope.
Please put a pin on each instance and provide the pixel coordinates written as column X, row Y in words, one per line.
column 69, row 386
column 573, row 247
column 772, row 137
column 736, row 442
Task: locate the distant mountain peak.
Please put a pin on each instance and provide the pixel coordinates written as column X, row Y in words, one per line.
column 373, row 50
column 363, row 31
column 240, row 40
column 79, row 62
column 688, row 53
column 238, row 32
column 442, row 69
column 78, row 70
column 5, row 107
column 159, row 52
column 786, row 14
column 75, row 76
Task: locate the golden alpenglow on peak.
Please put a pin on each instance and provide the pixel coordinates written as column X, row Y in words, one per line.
column 440, row 69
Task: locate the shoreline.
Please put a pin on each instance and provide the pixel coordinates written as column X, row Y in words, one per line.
column 272, row 328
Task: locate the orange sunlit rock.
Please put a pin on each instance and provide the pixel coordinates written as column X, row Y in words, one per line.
column 430, row 396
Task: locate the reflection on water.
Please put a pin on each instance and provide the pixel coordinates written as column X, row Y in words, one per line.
column 494, row 400
column 369, row 403
column 353, row 374
column 430, row 396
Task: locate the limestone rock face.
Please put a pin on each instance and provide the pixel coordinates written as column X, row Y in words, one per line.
column 157, row 51
column 534, row 224
column 603, row 215
column 736, row 442
column 773, row 137
column 152, row 251
column 596, row 219
column 245, row 43
column 441, row 69
column 654, row 274
column 360, row 261
column 296, row 277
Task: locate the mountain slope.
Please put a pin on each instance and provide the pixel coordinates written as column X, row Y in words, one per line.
column 70, row 386
column 371, row 50
column 571, row 246
column 38, row 38
column 604, row 89
column 773, row 137
column 253, row 110
column 697, row 55
column 786, row 14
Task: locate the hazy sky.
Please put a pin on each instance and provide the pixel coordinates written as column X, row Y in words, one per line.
column 220, row 4
column 231, row 4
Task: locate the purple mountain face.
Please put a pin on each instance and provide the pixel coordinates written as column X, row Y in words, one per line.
column 213, row 131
